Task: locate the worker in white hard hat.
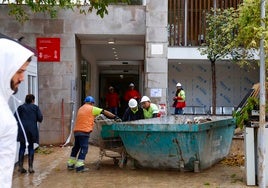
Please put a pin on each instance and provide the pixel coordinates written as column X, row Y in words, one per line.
column 179, row 99
column 150, row 110
column 133, row 112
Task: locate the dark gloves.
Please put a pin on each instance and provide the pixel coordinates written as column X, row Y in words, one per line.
column 155, row 115
column 117, row 119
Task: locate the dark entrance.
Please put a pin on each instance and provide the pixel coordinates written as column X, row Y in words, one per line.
column 120, row 82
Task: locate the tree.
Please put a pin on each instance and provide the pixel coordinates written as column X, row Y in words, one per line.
column 248, row 37
column 253, row 35
column 250, row 29
column 220, row 32
column 51, row 7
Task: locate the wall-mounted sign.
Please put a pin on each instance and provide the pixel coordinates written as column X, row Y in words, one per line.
column 48, row 49
column 156, row 93
column 157, row 49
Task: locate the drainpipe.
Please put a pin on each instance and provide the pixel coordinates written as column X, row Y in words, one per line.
column 143, row 2
column 261, row 130
column 215, row 4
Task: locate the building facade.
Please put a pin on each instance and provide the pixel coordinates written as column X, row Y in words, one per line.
column 154, row 46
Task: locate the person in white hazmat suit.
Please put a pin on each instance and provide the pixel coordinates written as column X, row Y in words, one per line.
column 14, row 59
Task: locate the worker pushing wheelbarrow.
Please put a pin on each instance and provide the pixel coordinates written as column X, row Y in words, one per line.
column 83, row 128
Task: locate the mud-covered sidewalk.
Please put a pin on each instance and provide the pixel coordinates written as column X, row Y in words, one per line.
column 50, row 171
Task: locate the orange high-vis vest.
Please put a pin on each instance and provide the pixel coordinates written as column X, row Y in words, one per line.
column 84, row 119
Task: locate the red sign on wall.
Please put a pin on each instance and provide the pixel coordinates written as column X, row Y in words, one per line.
column 48, row 49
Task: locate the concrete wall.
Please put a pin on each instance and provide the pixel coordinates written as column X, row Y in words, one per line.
column 55, row 78
column 156, row 62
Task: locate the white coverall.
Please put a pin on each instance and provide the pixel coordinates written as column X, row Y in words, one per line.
column 12, row 57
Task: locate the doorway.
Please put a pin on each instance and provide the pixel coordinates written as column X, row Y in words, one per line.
column 121, row 83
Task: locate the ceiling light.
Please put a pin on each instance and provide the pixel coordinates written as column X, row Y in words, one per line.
column 111, row 41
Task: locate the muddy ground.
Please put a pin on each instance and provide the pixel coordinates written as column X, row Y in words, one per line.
column 51, row 172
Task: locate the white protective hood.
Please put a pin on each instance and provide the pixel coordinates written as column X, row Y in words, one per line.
column 12, row 57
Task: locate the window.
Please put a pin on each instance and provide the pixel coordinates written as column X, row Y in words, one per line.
column 32, row 84
column 186, row 20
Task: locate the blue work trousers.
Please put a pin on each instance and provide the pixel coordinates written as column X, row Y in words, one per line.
column 178, row 111
column 80, row 146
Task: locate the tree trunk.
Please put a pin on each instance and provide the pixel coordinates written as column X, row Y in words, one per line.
column 214, row 86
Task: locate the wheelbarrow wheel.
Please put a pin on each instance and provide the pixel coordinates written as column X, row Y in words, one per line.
column 116, row 161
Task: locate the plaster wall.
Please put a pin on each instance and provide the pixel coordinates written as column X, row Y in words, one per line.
column 55, row 78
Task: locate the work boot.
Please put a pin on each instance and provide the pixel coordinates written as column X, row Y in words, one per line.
column 80, row 166
column 70, row 167
column 71, row 163
column 22, row 170
column 81, row 169
column 30, row 161
column 21, row 160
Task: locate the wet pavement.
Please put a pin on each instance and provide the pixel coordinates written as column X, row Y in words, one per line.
column 50, row 171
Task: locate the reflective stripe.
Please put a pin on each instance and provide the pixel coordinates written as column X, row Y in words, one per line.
column 79, row 163
column 71, row 161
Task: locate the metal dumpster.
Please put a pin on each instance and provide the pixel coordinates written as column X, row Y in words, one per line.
column 171, row 143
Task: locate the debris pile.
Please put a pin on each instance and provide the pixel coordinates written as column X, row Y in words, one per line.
column 234, row 160
column 45, row 150
column 197, row 120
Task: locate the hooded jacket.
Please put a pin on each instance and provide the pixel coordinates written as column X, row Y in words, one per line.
column 12, row 57
column 29, row 114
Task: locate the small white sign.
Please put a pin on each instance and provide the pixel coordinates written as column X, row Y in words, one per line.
column 157, row 49
column 156, row 92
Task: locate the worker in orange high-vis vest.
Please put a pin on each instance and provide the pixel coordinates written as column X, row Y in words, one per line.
column 82, row 129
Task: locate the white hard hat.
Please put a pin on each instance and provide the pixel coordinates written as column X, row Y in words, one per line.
column 145, row 98
column 178, row 84
column 131, row 85
column 132, row 103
